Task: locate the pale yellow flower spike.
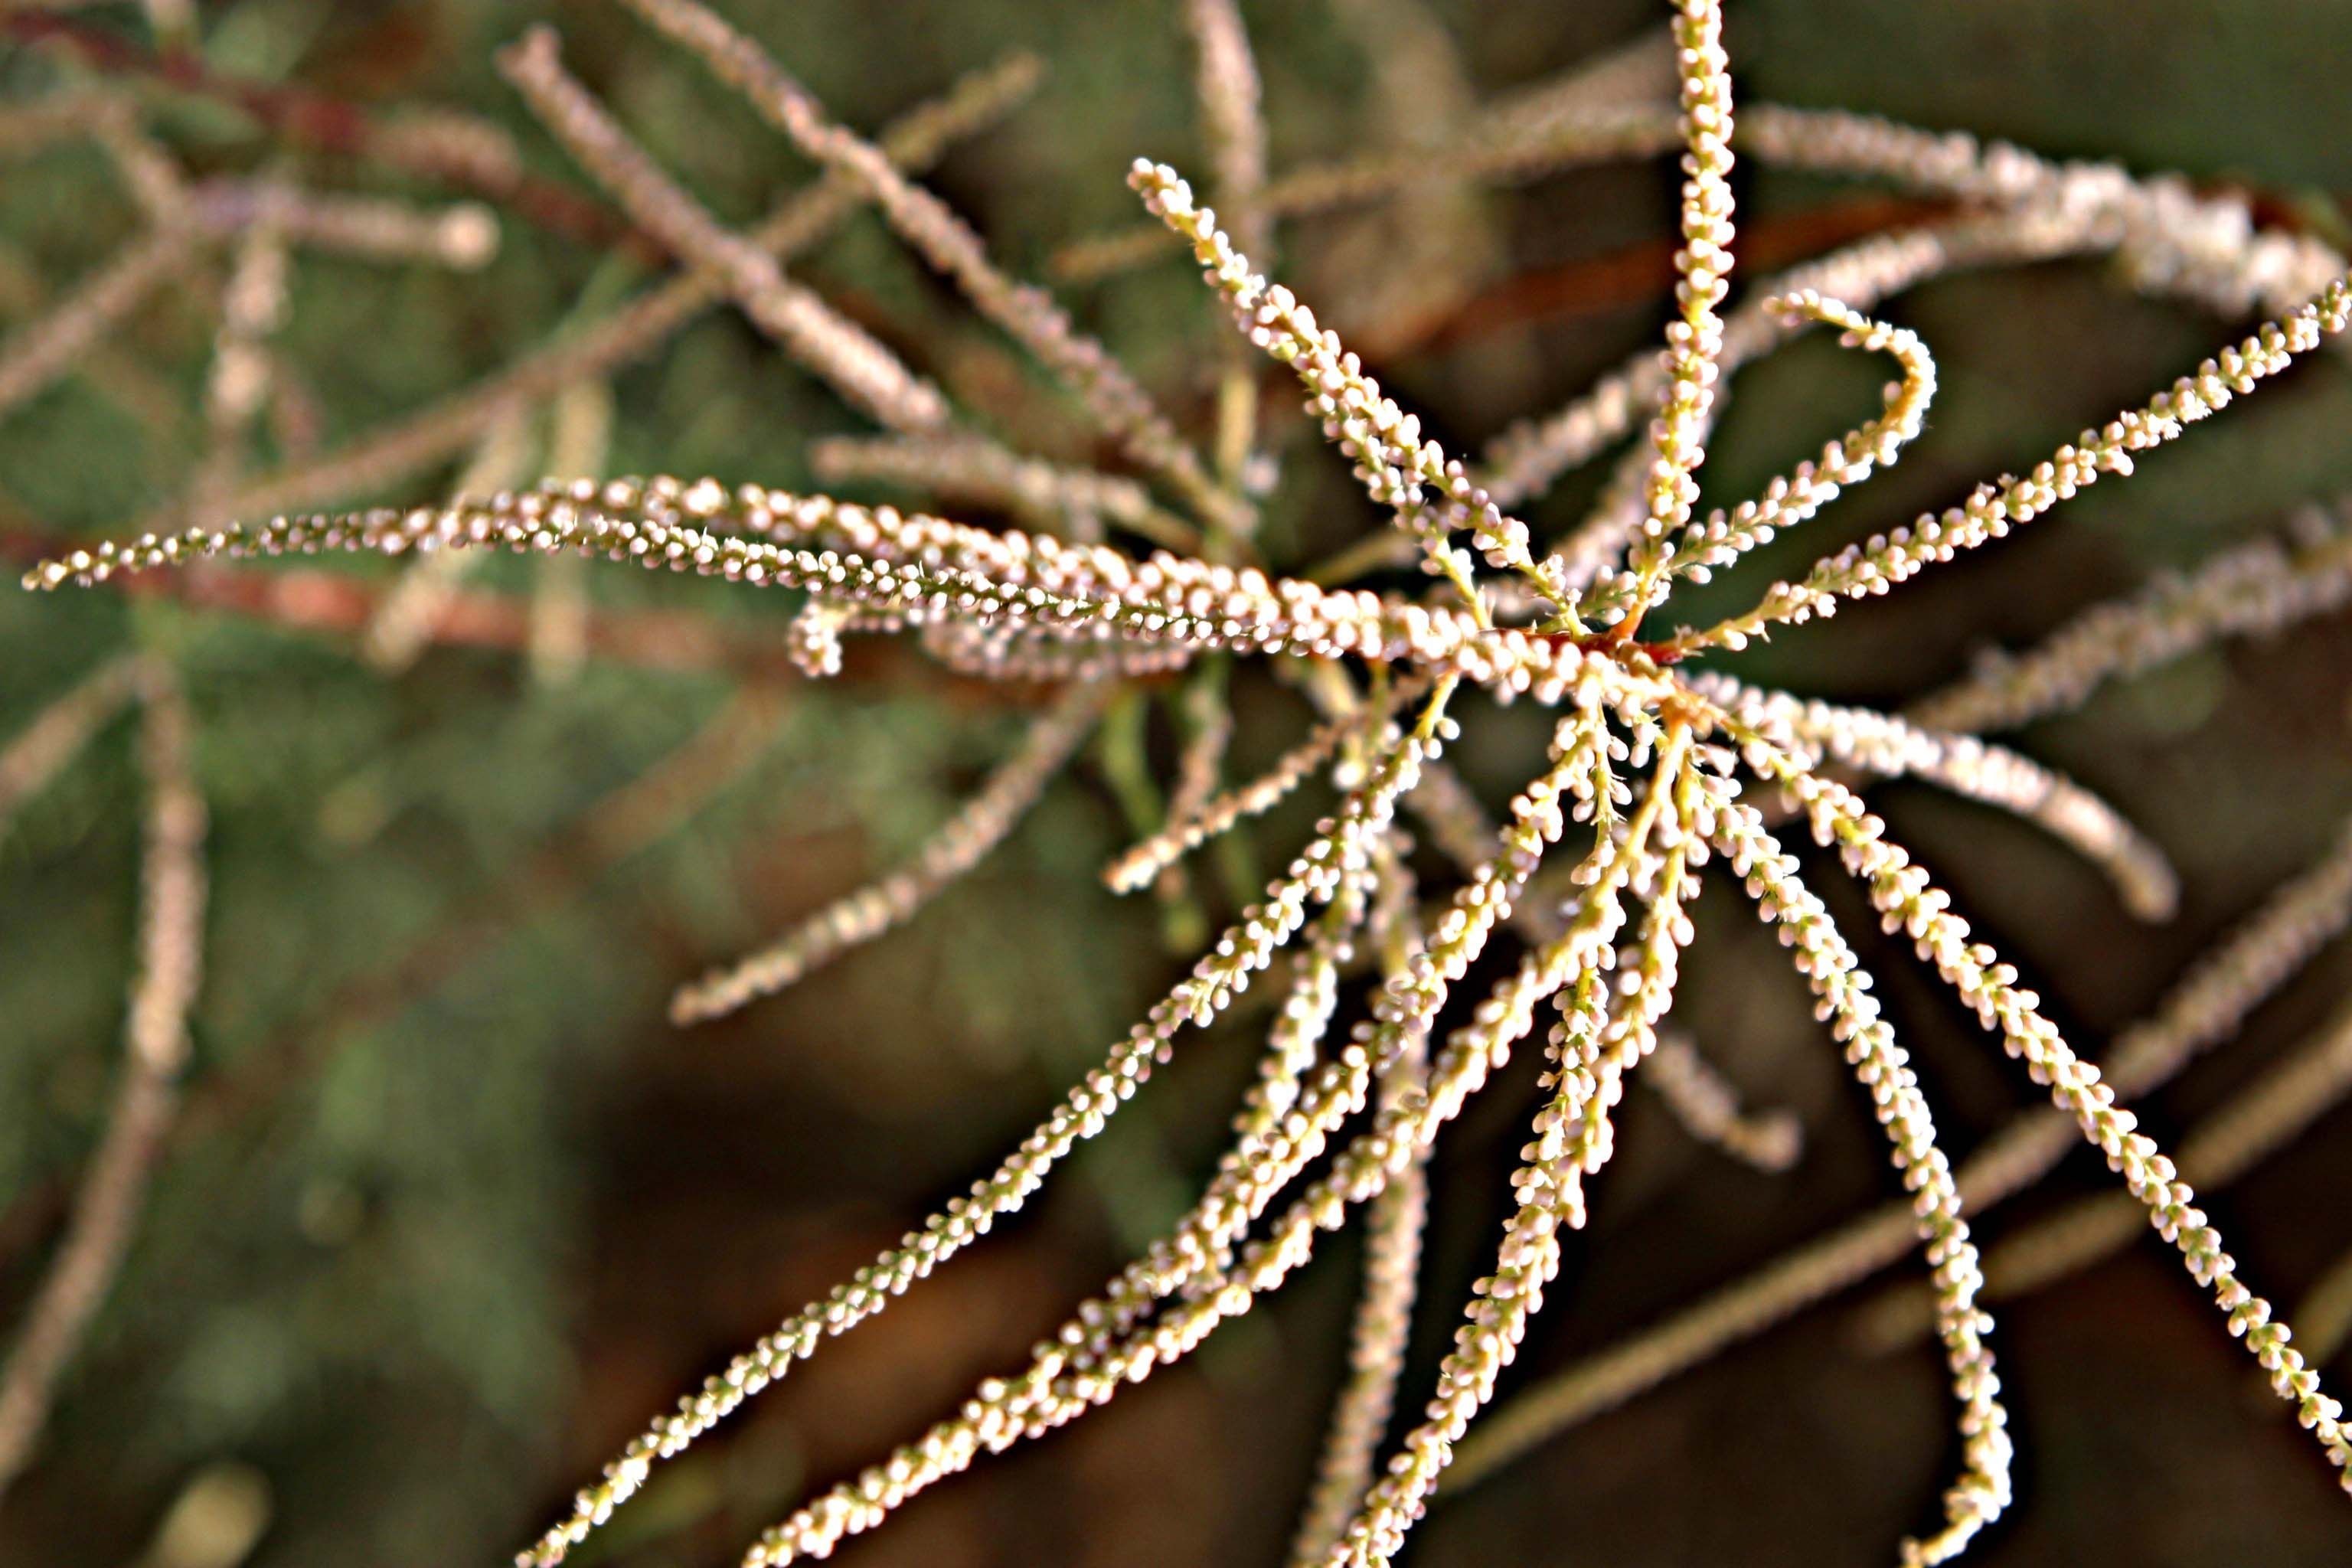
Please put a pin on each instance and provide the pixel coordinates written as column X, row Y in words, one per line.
column 1695, row 340
column 2174, row 239
column 2252, row 1124
column 463, row 237
column 1376, row 1353
column 1104, row 1345
column 979, row 826
column 1862, row 570
column 1846, row 461
column 1908, row 902
column 1531, row 454
column 1630, row 758
column 1895, row 747
column 1317, row 875
column 1226, row 87
column 1394, row 1229
column 1232, row 123
column 1983, row 1490
column 916, row 567
column 1394, row 460
column 1691, row 1088
column 1187, row 832
column 2200, row 1011
column 1089, row 1361
column 1723, row 537
column 1548, row 1186
column 1068, row 1374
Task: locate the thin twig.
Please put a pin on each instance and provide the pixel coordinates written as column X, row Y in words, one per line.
column 114, row 1187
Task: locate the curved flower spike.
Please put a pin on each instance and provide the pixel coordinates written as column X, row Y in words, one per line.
column 1528, row 456
column 1895, row 747
column 1844, row 462
column 1862, row 570
column 1697, row 1095
column 1847, row 460
column 1379, row 1336
column 1340, row 848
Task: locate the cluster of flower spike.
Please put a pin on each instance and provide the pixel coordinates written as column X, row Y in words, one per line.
column 1598, row 854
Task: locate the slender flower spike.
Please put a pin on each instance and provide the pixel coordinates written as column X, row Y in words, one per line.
column 2203, row 1008
column 1695, row 342
column 1983, row 1490
column 1187, row 831
column 1909, row 904
column 1529, row 456
column 1885, row 559
column 1721, row 539
column 1392, row 459
column 1699, row 1097
column 1893, row 748
column 860, row 917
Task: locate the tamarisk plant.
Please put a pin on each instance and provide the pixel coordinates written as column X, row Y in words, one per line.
column 1645, row 785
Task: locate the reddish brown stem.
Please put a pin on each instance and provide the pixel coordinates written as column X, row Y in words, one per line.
column 1640, row 273
column 1617, row 642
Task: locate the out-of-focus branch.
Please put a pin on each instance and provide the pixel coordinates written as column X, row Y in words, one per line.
column 401, row 447
column 156, row 1037
column 336, row 125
